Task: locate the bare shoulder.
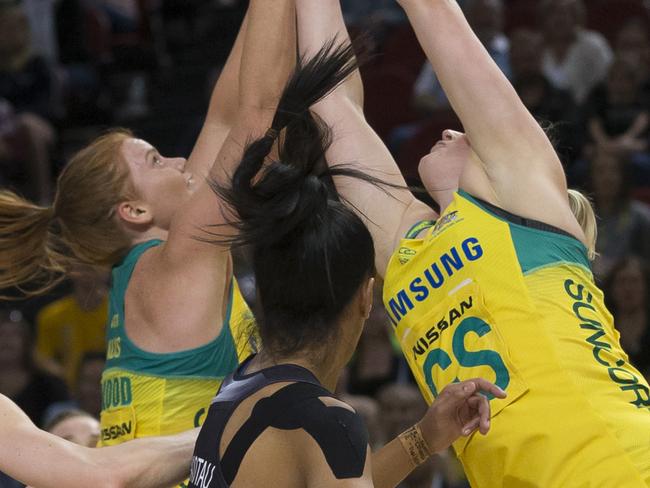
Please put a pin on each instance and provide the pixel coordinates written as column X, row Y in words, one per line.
column 163, row 299
column 534, row 189
column 293, row 458
column 310, row 438
column 538, row 195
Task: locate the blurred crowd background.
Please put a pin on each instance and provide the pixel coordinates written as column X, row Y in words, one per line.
column 71, row 68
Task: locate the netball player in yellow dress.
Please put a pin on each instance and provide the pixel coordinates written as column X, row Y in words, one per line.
column 498, row 285
column 177, row 322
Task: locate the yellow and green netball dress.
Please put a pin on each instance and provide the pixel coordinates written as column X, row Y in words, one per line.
column 488, row 294
column 146, row 394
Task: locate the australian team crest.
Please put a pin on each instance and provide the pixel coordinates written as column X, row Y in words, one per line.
column 445, row 221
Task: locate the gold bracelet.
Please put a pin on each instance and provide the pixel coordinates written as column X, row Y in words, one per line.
column 415, row 445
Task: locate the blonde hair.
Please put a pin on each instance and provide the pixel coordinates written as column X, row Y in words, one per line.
column 39, row 245
column 586, row 217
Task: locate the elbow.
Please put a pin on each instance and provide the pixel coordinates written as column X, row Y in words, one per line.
column 111, row 477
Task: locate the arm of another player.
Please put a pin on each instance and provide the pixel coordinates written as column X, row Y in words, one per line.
column 388, row 212
column 459, row 410
column 41, row 459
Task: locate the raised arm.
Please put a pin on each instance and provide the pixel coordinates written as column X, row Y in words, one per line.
column 222, row 111
column 388, row 215
column 41, row 459
column 521, row 165
column 268, row 57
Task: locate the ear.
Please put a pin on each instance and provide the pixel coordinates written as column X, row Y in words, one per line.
column 135, row 212
column 366, row 297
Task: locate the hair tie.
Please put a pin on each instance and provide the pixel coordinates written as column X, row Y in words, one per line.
column 272, row 133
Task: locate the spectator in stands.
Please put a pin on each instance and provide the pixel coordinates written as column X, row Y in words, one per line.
column 633, row 42
column 74, row 325
column 575, row 59
column 628, row 291
column 27, row 90
column 548, row 104
column 83, row 52
column 26, row 80
column 123, row 15
column 544, row 101
column 88, row 392
column 486, row 19
column 42, row 28
column 32, row 389
column 618, row 113
column 401, row 404
column 375, row 362
column 624, row 223
column 75, row 426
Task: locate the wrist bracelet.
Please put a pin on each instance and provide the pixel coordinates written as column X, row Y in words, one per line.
column 415, row 445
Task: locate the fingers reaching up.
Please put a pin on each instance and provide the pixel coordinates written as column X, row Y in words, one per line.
column 460, row 409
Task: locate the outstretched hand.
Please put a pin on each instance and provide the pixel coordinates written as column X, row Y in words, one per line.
column 460, row 409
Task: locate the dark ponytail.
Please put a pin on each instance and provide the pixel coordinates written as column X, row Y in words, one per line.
column 310, row 252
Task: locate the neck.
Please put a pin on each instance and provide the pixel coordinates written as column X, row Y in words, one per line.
column 327, row 370
column 326, row 360
column 150, row 234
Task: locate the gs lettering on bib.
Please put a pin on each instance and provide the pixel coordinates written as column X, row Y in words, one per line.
column 455, row 341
